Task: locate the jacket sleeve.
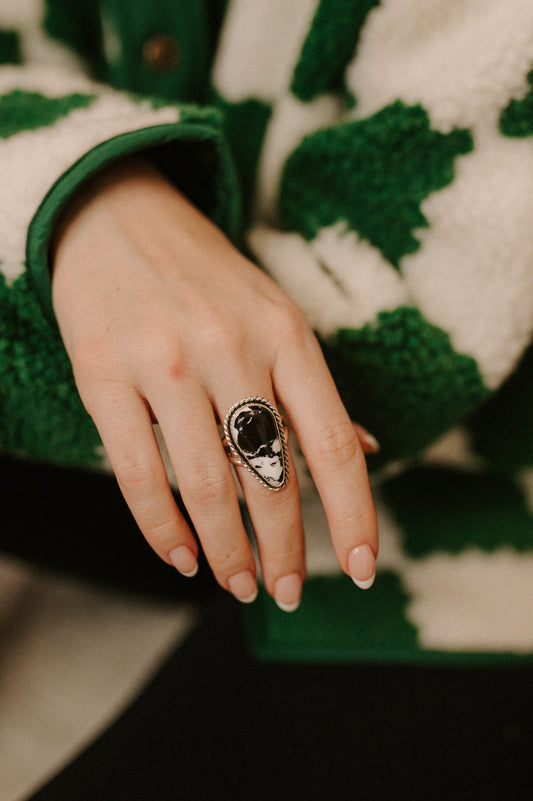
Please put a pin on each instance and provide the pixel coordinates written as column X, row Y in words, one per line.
column 58, row 126
column 394, row 201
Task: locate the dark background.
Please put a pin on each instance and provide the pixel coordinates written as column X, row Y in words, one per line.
column 215, row 724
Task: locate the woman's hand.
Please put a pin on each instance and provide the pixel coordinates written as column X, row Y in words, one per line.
column 164, row 320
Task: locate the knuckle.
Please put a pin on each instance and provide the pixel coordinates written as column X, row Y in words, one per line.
column 229, row 561
column 294, row 334
column 338, row 444
column 362, row 519
column 91, row 361
column 216, row 328
column 140, row 481
column 292, row 322
column 160, row 532
column 286, row 556
column 283, row 504
column 207, row 485
column 219, row 336
column 98, row 375
column 158, row 350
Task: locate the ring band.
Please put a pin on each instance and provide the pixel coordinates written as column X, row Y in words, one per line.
column 255, row 438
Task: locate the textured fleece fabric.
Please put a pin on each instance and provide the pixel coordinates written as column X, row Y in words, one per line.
column 376, row 158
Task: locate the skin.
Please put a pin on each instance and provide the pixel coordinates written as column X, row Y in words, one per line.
column 163, row 320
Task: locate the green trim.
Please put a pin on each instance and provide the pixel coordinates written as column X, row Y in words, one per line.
column 222, row 206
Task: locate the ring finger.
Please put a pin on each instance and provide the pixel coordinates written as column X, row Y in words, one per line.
column 257, row 438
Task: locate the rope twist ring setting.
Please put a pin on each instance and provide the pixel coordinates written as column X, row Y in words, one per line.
column 255, row 438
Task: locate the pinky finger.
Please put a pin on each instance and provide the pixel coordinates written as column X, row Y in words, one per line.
column 369, row 443
column 130, row 443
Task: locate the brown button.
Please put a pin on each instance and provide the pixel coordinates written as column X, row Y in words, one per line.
column 161, row 53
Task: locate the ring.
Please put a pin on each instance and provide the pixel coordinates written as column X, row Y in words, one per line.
column 255, row 438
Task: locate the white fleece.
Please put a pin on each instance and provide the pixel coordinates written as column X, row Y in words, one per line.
column 37, row 47
column 338, row 279
column 259, row 47
column 461, row 59
column 473, row 275
column 31, row 161
column 471, row 601
column 291, row 120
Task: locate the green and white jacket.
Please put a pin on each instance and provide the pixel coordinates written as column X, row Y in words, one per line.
column 374, row 156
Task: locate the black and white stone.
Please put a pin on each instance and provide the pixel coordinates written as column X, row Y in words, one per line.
column 255, row 434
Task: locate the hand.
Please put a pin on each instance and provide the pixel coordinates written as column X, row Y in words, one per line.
column 164, row 320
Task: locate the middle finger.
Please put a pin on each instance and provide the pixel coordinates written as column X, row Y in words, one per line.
column 274, row 512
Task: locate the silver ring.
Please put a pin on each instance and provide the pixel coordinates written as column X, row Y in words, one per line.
column 255, row 438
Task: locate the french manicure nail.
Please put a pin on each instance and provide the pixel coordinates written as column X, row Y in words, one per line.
column 184, row 561
column 368, row 441
column 288, row 592
column 362, row 566
column 243, row 586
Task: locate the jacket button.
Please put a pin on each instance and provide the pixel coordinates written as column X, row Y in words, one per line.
column 161, row 53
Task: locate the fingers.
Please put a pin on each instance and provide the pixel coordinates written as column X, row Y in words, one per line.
column 170, row 287
column 274, row 508
column 333, row 452
column 188, row 416
column 207, row 487
column 331, row 444
column 125, row 427
column 368, row 442
column 277, row 522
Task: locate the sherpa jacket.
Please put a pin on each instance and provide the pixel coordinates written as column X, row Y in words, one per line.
column 376, row 158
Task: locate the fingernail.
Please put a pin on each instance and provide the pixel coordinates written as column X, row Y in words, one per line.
column 243, row 586
column 368, row 442
column 362, row 566
column 288, row 591
column 184, row 561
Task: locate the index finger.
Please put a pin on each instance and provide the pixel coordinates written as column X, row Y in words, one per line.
column 333, row 453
